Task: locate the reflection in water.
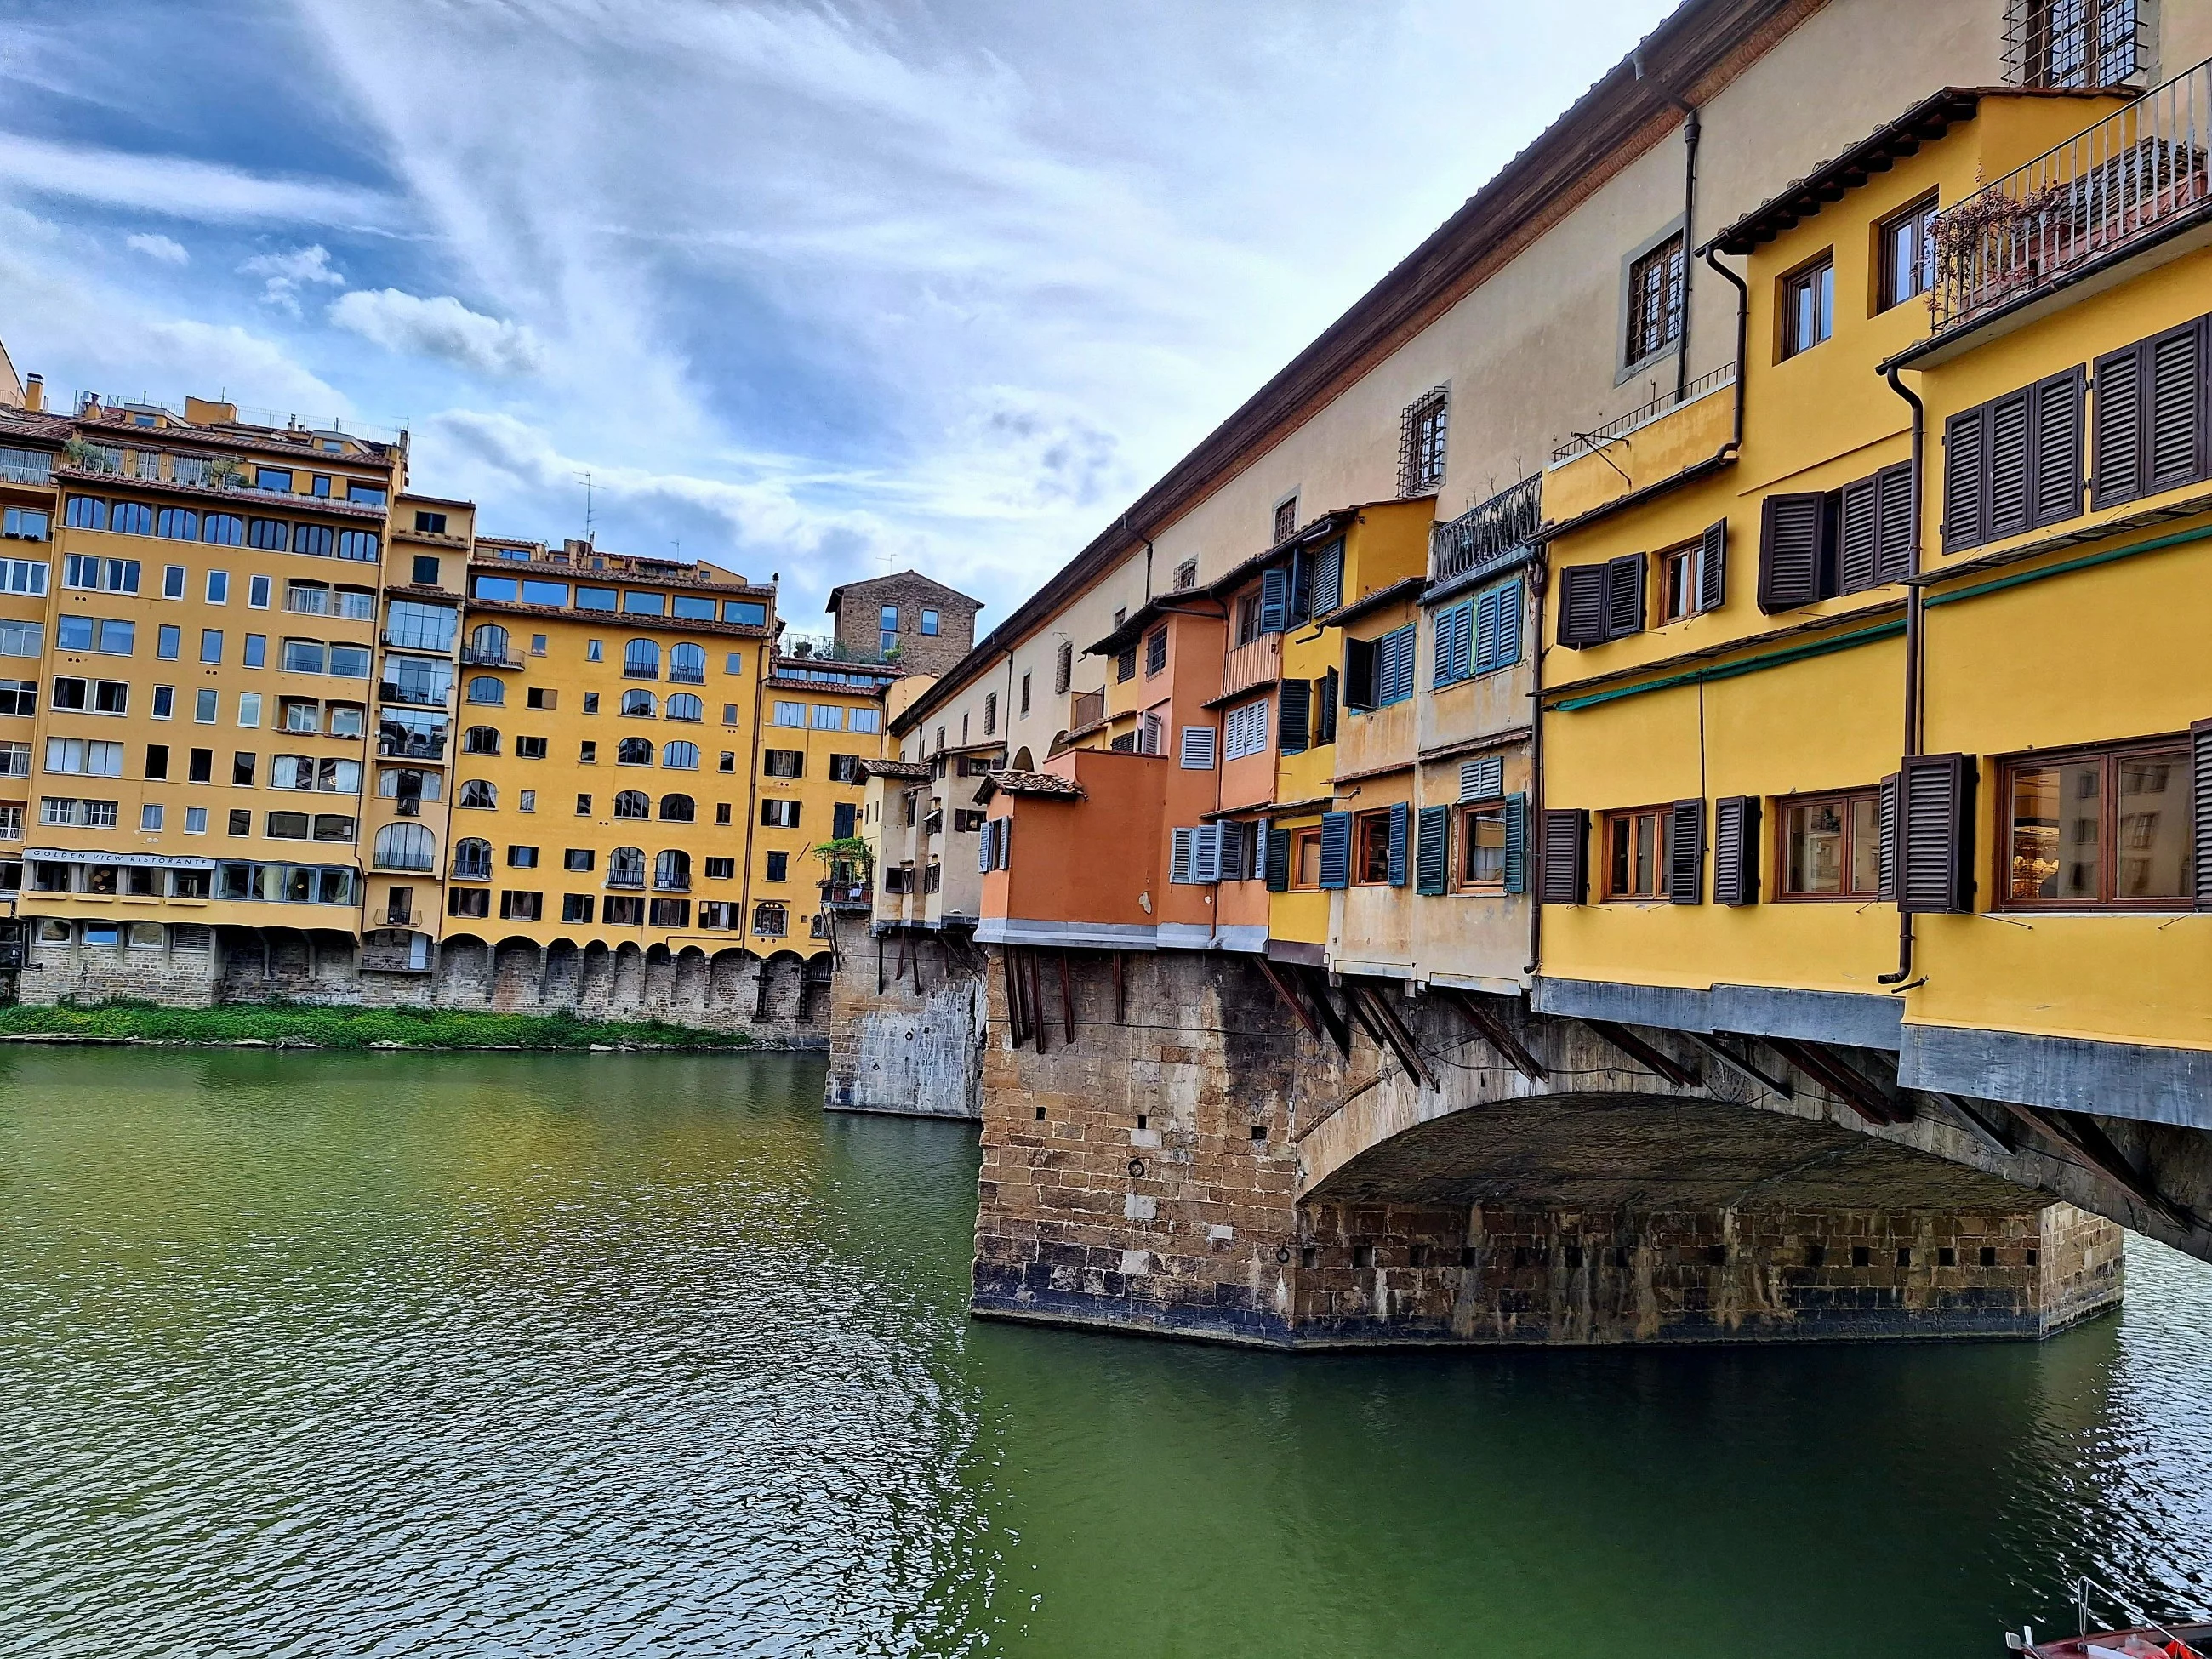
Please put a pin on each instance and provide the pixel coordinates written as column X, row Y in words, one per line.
column 545, row 1355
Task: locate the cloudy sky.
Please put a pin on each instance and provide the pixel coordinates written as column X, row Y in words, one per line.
column 818, row 287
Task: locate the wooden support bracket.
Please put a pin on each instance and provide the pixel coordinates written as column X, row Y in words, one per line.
column 1841, row 1080
column 1664, row 1066
column 1290, row 998
column 1067, row 1001
column 1993, row 1136
column 2082, row 1135
column 1498, row 1034
column 1315, row 981
column 1741, row 1064
column 1393, row 1032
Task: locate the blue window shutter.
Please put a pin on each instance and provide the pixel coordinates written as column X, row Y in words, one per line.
column 1181, row 857
column 1508, row 649
column 1400, row 816
column 1517, row 843
column 1486, row 634
column 1328, row 579
column 1275, row 600
column 1336, row 849
column 1393, row 665
column 1432, row 850
column 1278, row 860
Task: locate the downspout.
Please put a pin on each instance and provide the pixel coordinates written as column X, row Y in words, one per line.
column 1692, row 130
column 1735, row 445
column 1532, row 827
column 1915, row 623
column 751, row 793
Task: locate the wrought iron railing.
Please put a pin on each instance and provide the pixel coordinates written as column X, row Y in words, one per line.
column 2140, row 172
column 1584, row 443
column 1490, row 535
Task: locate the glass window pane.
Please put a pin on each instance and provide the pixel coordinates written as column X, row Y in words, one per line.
column 1815, row 856
column 2151, row 850
column 1866, row 845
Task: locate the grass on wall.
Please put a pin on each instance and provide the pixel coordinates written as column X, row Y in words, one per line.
column 292, row 1024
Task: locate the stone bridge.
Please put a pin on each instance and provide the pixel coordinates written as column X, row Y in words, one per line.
column 1217, row 1145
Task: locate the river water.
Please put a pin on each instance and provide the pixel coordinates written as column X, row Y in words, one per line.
column 320, row 1354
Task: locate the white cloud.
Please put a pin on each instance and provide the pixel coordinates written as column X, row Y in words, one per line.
column 284, row 273
column 156, row 246
column 181, row 189
column 442, row 327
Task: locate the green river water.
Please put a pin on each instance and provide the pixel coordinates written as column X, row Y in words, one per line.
column 376, row 1354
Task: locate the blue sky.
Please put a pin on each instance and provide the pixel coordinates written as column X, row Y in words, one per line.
column 817, row 288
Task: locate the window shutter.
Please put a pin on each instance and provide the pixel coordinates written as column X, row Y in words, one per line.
column 1328, row 579
column 1886, row 876
column 1712, row 568
column 1278, row 860
column 1236, row 844
column 1482, row 655
column 2175, row 406
column 1965, row 458
column 1857, row 544
column 1454, row 632
column 1517, row 843
column 1686, row 853
column 1935, row 853
column 1893, row 508
column 1790, row 550
column 2200, row 800
column 1063, row 668
column 983, row 844
column 1206, row 854
column 1005, row 846
column 1507, row 651
column 1401, row 824
column 1563, row 873
column 1181, row 856
column 2009, row 497
column 1197, row 754
column 1393, row 665
column 1735, row 849
column 1624, row 595
column 1582, row 605
column 1432, row 850
column 1295, row 697
column 2115, row 468
column 1275, row 600
column 1359, row 673
column 1483, row 779
column 2057, row 447
column 1324, row 690
column 1336, row 849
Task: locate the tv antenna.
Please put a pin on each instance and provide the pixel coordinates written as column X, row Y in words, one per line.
column 584, row 479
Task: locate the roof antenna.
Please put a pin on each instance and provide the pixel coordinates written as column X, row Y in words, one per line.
column 584, row 479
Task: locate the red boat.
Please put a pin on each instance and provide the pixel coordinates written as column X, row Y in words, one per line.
column 2148, row 1640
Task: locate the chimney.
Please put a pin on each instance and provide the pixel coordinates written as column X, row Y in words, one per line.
column 34, row 392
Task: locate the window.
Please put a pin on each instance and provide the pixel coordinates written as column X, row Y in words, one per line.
column 687, row 663
column 1678, row 583
column 1482, row 849
column 829, row 717
column 641, row 661
column 1156, row 651
column 1025, row 694
column 210, row 645
column 868, row 721
column 770, row 920
column 1908, row 254
column 480, row 740
column 633, row 804
column 1421, row 443
column 721, row 869
column 1809, row 306
column 414, row 626
column 2098, row 829
column 195, row 823
column 1244, row 729
column 471, row 860
column 683, row 706
column 626, row 867
column 1371, row 850
column 249, row 709
column 257, row 651
column 108, row 635
column 1636, row 854
column 222, row 529
column 929, row 622
column 791, row 713
column 783, row 764
column 679, row 809
column 19, row 697
column 1379, row 673
column 1479, row 636
column 779, row 866
column 314, row 539
column 25, row 524
column 521, row 858
column 1655, row 301
column 591, row 702
column 639, row 703
column 844, row 769
column 751, row 612
column 485, row 688
column 577, row 858
column 671, row 871
column 780, row 814
column 634, row 752
column 269, row 535
column 1830, row 846
column 14, row 760
column 2071, row 43
column 480, row 794
column 576, row 907
column 990, row 714
column 645, row 604
column 583, row 807
column 2014, row 462
column 683, row 757
column 97, row 760
column 887, row 620
column 82, row 814
column 100, row 575
column 530, row 748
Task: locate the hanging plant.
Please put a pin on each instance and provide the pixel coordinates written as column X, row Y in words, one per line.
column 1980, row 248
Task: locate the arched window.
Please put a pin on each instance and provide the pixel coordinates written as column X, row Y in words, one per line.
column 688, row 662
column 178, row 524
column 224, row 529
column 635, row 751
column 314, row 538
column 472, row 857
column 771, row 919
column 683, row 706
column 641, row 659
column 480, row 740
column 357, row 544
column 626, row 867
column 406, row 846
column 683, row 757
column 633, row 804
column 679, row 809
column 671, row 871
column 130, row 519
column 487, row 643
column 488, row 689
column 477, row 792
column 640, row 701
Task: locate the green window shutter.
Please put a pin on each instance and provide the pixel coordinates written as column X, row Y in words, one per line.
column 1297, row 715
column 1278, row 860
column 1432, row 851
column 1275, row 600
column 1400, row 823
column 1336, row 849
column 1517, row 843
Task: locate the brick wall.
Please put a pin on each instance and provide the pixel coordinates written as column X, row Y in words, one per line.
column 860, row 609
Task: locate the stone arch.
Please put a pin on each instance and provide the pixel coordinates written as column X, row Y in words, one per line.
column 626, row 995
column 517, row 965
column 464, row 976
column 658, row 994
column 776, row 993
column 730, row 989
column 558, row 985
column 1022, row 762
column 595, row 980
column 688, row 994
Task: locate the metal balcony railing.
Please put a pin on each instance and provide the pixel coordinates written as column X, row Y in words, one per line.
column 628, row 878
column 2141, row 173
column 476, row 657
column 1585, row 443
column 1493, row 535
column 392, row 746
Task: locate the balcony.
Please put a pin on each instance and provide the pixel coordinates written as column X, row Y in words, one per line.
column 631, row 880
column 1489, row 537
column 824, row 648
column 1648, row 444
column 1257, row 662
column 2137, row 177
column 475, row 657
column 416, row 696
column 407, row 745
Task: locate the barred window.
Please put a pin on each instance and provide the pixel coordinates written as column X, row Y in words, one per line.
column 1655, row 299
column 1421, row 443
column 2073, row 43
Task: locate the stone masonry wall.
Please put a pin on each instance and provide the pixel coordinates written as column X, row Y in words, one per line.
column 906, row 1025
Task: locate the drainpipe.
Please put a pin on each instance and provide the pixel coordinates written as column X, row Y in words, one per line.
column 1915, row 691
column 1532, row 829
column 1735, row 445
column 1692, row 130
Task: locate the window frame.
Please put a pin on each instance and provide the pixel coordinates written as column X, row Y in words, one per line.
column 1667, row 249
column 1462, row 878
column 1788, row 286
column 1689, row 558
column 1780, row 891
column 1917, row 216
column 1370, row 827
column 1663, row 813
column 2173, row 748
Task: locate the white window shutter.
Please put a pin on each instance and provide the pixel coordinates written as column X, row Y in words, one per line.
column 983, row 846
column 1197, row 749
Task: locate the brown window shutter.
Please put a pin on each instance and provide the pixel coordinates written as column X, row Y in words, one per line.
column 1295, row 697
column 2200, row 805
column 1791, row 532
column 1965, row 466
column 1895, row 500
column 2008, row 497
column 1712, row 567
column 1686, row 853
column 1735, row 849
column 2057, row 447
column 1624, row 595
column 2116, row 464
column 1563, row 876
column 1582, row 605
column 2175, row 407
column 1886, row 880
column 1935, row 850
column 1359, row 673
column 1858, row 544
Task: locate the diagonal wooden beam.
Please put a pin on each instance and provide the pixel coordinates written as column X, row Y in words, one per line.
column 1664, row 1066
column 1498, row 1034
column 1400, row 1038
column 2082, row 1135
column 1840, row 1080
column 1316, row 986
column 1991, row 1133
column 1740, row 1064
column 1291, row 1001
